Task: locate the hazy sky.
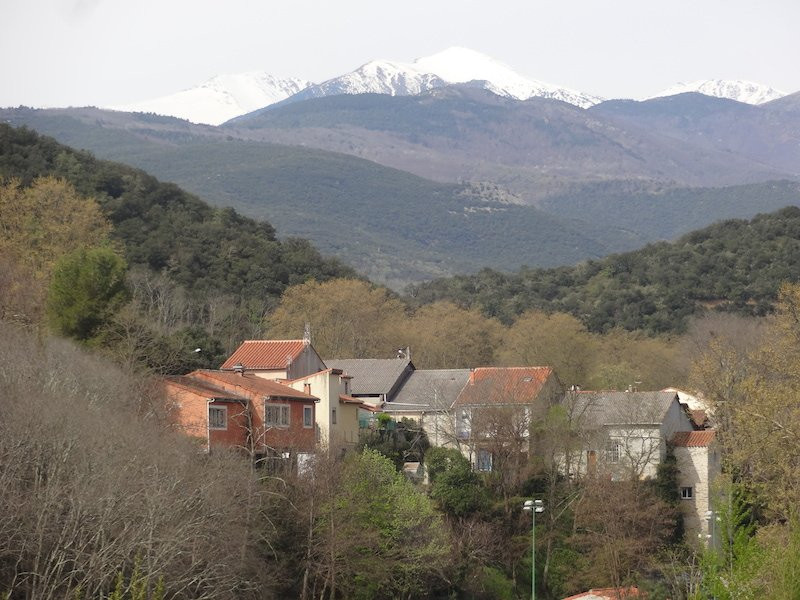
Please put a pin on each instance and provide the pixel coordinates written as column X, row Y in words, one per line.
column 103, row 52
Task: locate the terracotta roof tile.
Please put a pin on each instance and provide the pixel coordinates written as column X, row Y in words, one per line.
column 265, row 354
column 203, row 388
column 251, row 383
column 350, row 400
column 503, row 385
column 693, row 439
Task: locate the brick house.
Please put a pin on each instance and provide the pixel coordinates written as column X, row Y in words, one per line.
column 261, row 417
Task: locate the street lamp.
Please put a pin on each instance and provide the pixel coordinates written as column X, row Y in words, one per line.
column 534, row 506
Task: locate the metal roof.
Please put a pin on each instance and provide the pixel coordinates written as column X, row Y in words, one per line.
column 434, row 389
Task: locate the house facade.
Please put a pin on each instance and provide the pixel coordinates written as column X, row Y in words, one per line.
column 263, row 418
column 495, row 410
column 337, row 411
column 625, row 434
column 699, row 463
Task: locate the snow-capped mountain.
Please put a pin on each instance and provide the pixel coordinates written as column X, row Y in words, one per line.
column 221, row 98
column 460, row 65
column 376, row 77
column 454, row 65
column 748, row 92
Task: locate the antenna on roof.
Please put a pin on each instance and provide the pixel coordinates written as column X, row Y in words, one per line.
column 307, row 334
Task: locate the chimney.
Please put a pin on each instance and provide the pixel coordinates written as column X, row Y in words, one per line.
column 238, row 368
column 307, row 388
column 307, row 335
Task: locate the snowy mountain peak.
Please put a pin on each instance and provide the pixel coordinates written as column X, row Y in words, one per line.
column 222, row 97
column 748, row 92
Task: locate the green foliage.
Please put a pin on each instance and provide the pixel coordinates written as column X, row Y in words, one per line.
column 665, row 486
column 379, row 519
column 494, row 585
column 734, row 265
column 87, row 287
column 732, row 563
column 163, row 228
column 401, row 441
column 459, row 492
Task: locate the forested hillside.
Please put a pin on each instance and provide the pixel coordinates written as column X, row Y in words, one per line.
column 165, row 229
column 735, row 265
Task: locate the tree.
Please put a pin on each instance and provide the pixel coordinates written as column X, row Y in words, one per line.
column 349, row 318
column 442, row 335
column 557, row 340
column 38, row 225
column 87, row 287
column 380, row 538
column 456, row 488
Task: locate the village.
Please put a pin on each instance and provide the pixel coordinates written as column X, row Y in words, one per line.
column 279, row 402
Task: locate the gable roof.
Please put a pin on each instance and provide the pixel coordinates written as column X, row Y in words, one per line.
column 203, row 388
column 503, row 385
column 265, row 354
column 251, row 383
column 693, row 439
column 431, row 389
column 623, row 408
column 373, row 376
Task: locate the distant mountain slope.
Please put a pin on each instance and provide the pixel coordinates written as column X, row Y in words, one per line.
column 762, row 134
column 165, row 229
column 459, row 133
column 748, row 92
column 390, row 225
column 733, row 265
column 221, row 98
column 787, row 104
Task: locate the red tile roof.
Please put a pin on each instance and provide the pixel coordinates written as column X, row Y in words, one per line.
column 203, row 388
column 693, row 439
column 265, row 354
column 251, row 383
column 350, row 400
column 503, row 385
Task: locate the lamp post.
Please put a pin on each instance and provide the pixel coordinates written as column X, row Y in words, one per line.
column 534, row 506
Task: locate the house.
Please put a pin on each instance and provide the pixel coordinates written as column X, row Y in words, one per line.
column 625, row 434
column 337, row 411
column 264, row 418
column 494, row 411
column 375, row 380
column 215, row 416
column 426, row 396
column 699, row 463
column 276, row 359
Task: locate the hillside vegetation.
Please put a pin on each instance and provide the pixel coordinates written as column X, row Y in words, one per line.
column 735, row 265
column 391, row 226
column 165, row 229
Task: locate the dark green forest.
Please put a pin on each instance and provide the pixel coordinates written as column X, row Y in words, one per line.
column 735, row 265
column 165, row 229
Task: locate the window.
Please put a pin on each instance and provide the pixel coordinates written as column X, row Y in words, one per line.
column 484, row 461
column 308, row 416
column 217, row 417
column 333, row 416
column 687, row 493
column 613, row 451
column 276, row 415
